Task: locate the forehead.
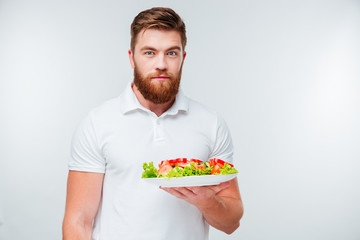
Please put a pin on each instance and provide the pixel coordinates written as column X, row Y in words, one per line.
column 159, row 39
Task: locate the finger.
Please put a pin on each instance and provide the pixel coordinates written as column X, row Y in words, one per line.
column 195, row 190
column 186, row 191
column 174, row 192
column 221, row 186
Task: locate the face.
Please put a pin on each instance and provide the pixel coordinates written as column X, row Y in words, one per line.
column 157, row 61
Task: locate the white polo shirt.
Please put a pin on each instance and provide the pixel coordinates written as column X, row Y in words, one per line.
column 118, row 137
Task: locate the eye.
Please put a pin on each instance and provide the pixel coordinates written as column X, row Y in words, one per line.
column 172, row 53
column 149, row 53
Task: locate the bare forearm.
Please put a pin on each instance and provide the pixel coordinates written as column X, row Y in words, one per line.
column 76, row 231
column 82, row 202
column 224, row 214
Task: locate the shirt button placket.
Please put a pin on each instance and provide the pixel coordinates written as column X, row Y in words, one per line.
column 158, row 132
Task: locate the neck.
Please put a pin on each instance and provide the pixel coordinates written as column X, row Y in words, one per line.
column 158, row 109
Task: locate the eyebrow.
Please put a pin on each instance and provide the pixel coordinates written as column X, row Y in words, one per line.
column 154, row 49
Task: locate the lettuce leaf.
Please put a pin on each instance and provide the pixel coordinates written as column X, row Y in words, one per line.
column 227, row 169
column 149, row 170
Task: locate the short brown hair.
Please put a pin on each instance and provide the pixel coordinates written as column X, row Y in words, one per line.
column 158, row 18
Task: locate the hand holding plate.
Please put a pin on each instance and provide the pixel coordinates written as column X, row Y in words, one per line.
column 202, row 197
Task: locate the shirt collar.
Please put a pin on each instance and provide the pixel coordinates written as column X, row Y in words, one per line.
column 181, row 104
column 129, row 102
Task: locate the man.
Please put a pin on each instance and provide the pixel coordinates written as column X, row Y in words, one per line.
column 152, row 120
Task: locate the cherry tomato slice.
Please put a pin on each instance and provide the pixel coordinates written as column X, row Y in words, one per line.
column 215, row 170
column 201, row 166
column 195, row 160
column 215, row 161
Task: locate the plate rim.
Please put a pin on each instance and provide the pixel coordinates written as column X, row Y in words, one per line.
column 183, row 181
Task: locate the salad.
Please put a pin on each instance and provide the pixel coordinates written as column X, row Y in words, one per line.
column 182, row 167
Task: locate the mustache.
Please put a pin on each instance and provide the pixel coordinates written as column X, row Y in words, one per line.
column 160, row 73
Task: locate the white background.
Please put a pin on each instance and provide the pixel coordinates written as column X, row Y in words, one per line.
column 284, row 74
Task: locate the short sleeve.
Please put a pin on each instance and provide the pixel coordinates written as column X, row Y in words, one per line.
column 223, row 147
column 86, row 154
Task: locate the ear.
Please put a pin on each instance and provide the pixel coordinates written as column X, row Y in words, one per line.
column 131, row 58
column 184, row 55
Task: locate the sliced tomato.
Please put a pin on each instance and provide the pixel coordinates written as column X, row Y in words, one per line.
column 220, row 165
column 195, row 160
column 183, row 164
column 166, row 162
column 216, row 169
column 201, row 166
column 178, row 161
column 215, row 161
column 212, row 162
column 165, row 169
column 182, row 160
column 173, row 162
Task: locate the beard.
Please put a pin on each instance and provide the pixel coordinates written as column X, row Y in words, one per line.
column 157, row 92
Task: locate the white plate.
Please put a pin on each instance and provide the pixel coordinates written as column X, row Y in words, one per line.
column 191, row 181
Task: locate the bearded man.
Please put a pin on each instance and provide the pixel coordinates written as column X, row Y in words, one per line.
column 152, row 120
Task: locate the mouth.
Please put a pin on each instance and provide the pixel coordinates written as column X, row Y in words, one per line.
column 160, row 78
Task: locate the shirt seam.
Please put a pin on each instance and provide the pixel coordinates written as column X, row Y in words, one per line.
column 99, row 146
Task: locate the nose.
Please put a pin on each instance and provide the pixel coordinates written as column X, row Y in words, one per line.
column 161, row 63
